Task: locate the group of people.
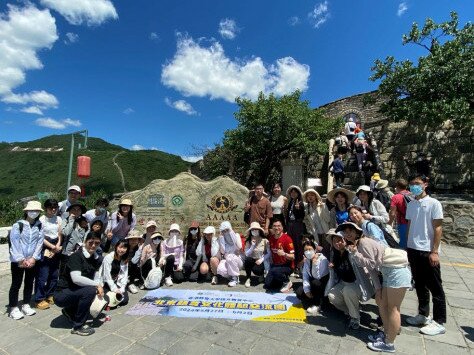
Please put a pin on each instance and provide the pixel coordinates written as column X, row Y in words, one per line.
column 339, row 248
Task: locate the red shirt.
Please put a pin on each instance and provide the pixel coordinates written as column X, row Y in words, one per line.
column 284, row 242
column 207, row 250
column 398, row 202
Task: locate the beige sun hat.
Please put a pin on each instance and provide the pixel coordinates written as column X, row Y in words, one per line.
column 33, row 206
column 156, row 235
column 126, row 201
column 254, row 225
column 311, row 191
column 174, row 227
column 288, row 190
column 342, row 226
column 381, row 184
column 150, row 224
column 97, row 306
column 134, row 234
column 332, row 233
column 350, row 194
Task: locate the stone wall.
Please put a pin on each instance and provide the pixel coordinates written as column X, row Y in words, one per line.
column 458, row 224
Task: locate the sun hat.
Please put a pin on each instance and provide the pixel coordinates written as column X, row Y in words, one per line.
column 311, row 191
column 134, row 234
column 194, row 224
column 225, row 225
column 174, row 227
column 293, row 187
column 83, row 208
column 150, row 224
column 114, row 298
column 33, row 206
column 209, row 230
column 254, row 225
column 74, row 188
column 381, row 184
column 156, row 235
column 343, row 226
column 126, row 201
column 376, row 177
column 350, row 194
column 97, row 306
column 332, row 233
column 365, row 188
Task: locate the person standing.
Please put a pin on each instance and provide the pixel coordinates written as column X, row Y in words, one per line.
column 337, row 168
column 278, row 203
column 73, row 194
column 99, row 212
column 295, row 226
column 425, row 218
column 260, row 208
column 398, row 209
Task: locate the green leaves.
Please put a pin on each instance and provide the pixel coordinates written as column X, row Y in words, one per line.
column 440, row 86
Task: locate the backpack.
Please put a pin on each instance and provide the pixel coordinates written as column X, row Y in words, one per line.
column 382, row 196
column 20, row 228
column 391, row 241
column 407, row 198
column 153, row 280
column 338, row 141
column 359, row 148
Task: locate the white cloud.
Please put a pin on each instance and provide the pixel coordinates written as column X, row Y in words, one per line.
column 293, row 20
column 32, row 109
column 228, row 28
column 128, row 111
column 137, row 147
column 181, row 105
column 402, row 8
column 23, row 32
column 154, row 36
column 320, row 14
column 191, row 158
column 76, row 12
column 42, row 98
column 199, row 71
column 56, row 124
column 71, row 38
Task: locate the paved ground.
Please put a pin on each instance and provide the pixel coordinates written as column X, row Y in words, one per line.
column 49, row 333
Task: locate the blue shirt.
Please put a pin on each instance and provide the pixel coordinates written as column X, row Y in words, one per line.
column 27, row 244
column 370, row 229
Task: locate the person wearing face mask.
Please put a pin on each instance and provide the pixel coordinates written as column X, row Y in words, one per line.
column 172, row 256
column 425, row 218
column 79, row 284
column 315, row 278
column 150, row 228
column 74, row 231
column 150, row 254
column 231, row 247
column 398, row 209
column 99, row 213
column 135, row 241
column 26, row 243
column 193, row 238
column 256, row 251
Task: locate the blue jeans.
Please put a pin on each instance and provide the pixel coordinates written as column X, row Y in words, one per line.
column 47, row 272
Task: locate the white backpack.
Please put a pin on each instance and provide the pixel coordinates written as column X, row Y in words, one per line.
column 153, row 280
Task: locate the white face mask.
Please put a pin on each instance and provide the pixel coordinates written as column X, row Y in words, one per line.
column 33, row 214
column 255, row 232
column 174, row 234
column 309, row 254
column 193, row 231
column 156, row 241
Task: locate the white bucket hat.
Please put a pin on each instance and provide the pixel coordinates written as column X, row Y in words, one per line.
column 150, row 224
column 33, row 206
column 225, row 225
column 97, row 306
column 174, row 227
column 114, row 298
column 254, row 225
column 210, row 230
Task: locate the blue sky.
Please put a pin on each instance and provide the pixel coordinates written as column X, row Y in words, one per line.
column 149, row 74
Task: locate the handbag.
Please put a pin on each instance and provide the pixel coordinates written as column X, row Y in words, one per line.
column 394, row 257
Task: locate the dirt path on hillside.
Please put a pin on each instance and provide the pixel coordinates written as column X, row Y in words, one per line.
column 120, row 170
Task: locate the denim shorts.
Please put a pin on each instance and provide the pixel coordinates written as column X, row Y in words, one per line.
column 396, row 277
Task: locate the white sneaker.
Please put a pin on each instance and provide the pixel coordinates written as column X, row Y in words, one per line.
column 27, row 310
column 214, row 280
column 16, row 314
column 286, row 287
column 433, row 328
column 313, row 310
column 168, row 281
column 418, row 320
column 132, row 288
column 233, row 282
column 247, row 283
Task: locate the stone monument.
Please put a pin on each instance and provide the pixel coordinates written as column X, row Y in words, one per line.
column 186, row 198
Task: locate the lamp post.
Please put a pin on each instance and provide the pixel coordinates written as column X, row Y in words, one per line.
column 84, row 134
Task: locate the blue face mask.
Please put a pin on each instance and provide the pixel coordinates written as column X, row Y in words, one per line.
column 416, row 189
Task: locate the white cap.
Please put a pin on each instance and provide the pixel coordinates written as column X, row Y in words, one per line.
column 74, row 188
column 210, row 230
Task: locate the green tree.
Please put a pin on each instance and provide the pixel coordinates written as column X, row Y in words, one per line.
column 441, row 86
column 270, row 129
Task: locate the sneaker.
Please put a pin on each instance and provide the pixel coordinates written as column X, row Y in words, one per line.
column 67, row 315
column 233, row 282
column 168, row 281
column 141, row 287
column 42, row 305
column 85, row 330
column 247, row 283
column 50, row 300
column 380, row 336
column 354, row 324
column 286, row 287
column 381, row 346
column 214, row 280
column 433, row 328
column 313, row 310
column 418, row 320
column 27, row 310
column 16, row 314
column 132, row 288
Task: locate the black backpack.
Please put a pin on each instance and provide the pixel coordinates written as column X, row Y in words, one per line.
column 382, row 196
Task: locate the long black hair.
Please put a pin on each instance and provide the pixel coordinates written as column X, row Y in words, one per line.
column 123, row 242
column 345, row 196
column 129, row 216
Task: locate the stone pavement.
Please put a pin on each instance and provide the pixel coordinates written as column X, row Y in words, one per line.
column 48, row 331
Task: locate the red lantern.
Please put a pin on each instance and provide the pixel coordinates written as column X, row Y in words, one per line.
column 83, row 166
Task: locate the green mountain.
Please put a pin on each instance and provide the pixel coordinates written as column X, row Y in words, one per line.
column 42, row 166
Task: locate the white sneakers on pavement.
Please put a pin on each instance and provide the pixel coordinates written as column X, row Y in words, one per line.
column 418, row 320
column 214, row 280
column 168, row 281
column 16, row 314
column 132, row 288
column 27, row 310
column 247, row 283
column 287, row 287
column 433, row 328
column 313, row 310
column 234, row 281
